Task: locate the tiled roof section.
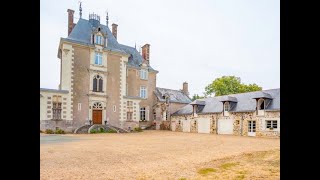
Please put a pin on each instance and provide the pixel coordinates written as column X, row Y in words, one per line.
column 245, row 103
column 198, row 102
column 54, row 90
column 229, row 98
column 81, row 33
column 175, row 96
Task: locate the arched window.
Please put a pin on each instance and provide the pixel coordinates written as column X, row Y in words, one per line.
column 261, row 104
column 97, row 105
column 226, row 106
column 97, row 83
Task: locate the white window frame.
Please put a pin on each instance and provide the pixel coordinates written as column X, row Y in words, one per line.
column 143, row 112
column 271, row 124
column 143, row 74
column 79, row 106
column 143, row 92
column 98, row 58
column 226, row 106
column 98, row 40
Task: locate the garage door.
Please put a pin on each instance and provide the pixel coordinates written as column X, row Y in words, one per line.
column 186, row 125
column 225, row 126
column 203, row 125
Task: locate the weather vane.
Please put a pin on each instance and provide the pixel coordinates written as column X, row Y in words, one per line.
column 80, row 9
column 107, row 18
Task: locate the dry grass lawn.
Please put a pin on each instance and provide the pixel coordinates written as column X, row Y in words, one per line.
column 161, row 155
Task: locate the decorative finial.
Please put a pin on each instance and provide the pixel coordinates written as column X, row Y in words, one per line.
column 107, row 18
column 80, row 9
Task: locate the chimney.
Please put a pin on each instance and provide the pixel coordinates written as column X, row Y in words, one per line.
column 185, row 88
column 114, row 29
column 70, row 20
column 146, row 52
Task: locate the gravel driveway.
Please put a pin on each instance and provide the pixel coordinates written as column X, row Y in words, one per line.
column 145, row 155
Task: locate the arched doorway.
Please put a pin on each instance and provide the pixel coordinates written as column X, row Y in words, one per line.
column 97, row 113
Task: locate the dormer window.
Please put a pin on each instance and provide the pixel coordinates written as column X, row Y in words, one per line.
column 260, row 107
column 261, row 104
column 98, row 40
column 226, row 106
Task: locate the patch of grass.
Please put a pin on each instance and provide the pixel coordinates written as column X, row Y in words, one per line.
column 240, row 177
column 137, row 129
column 205, row 171
column 49, row 131
column 101, row 130
column 93, row 131
column 111, row 131
column 228, row 165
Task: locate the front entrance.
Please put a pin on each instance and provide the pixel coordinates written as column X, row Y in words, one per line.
column 251, row 128
column 97, row 116
column 186, row 125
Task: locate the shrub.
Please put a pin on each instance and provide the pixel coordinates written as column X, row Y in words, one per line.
column 59, row 131
column 137, row 129
column 41, row 131
column 49, row 131
column 93, row 131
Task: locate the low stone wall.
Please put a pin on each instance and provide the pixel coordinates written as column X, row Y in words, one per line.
column 65, row 125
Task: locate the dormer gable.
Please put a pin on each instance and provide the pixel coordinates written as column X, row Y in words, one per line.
column 98, row 37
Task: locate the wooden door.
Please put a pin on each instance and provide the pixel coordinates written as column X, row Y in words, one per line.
column 97, row 116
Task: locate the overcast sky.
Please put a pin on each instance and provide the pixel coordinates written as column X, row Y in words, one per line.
column 191, row 40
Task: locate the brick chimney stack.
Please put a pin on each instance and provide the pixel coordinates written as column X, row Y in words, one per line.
column 114, row 30
column 70, row 20
column 146, row 52
column 185, row 88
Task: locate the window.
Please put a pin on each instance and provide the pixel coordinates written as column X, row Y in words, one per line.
column 114, row 108
column 79, row 106
column 272, row 124
column 98, row 40
column 97, row 83
column 98, row 58
column 226, row 106
column 129, row 110
column 154, row 115
column 97, row 105
column 143, row 74
column 56, row 107
column 143, row 114
column 166, row 115
column 143, row 92
column 261, row 104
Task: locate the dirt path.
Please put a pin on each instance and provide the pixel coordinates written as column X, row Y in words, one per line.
column 146, row 155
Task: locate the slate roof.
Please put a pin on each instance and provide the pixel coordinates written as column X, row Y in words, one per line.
column 175, row 96
column 245, row 103
column 54, row 90
column 81, row 34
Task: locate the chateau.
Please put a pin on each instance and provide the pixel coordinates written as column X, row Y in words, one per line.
column 105, row 82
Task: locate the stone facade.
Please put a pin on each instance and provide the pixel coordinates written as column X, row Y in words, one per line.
column 240, row 122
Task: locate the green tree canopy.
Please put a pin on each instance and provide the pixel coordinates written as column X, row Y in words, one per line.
column 229, row 85
column 196, row 96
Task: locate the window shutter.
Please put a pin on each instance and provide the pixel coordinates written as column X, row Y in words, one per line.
column 100, row 85
column 94, row 84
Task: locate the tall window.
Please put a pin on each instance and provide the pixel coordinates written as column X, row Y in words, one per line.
column 143, row 74
column 143, row 114
column 98, row 40
column 97, row 83
column 143, row 92
column 272, row 124
column 129, row 110
column 98, row 58
column 226, row 106
column 56, row 108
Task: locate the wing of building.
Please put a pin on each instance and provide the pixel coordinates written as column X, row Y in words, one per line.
column 101, row 80
column 249, row 114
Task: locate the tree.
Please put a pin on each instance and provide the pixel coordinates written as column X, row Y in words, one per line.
column 229, row 85
column 196, row 96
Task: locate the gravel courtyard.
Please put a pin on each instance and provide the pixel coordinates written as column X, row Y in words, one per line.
column 145, row 155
